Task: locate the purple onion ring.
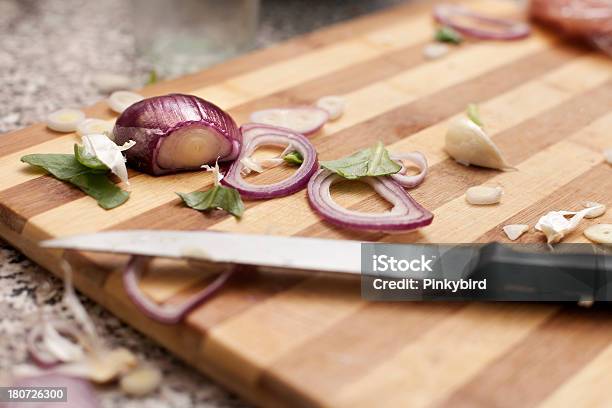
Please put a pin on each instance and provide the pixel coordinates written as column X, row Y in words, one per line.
column 411, row 181
column 255, row 135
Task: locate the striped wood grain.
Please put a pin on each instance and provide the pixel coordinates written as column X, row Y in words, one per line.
column 288, row 340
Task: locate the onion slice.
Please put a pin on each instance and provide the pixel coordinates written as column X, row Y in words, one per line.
column 164, row 314
column 256, row 135
column 50, row 342
column 411, row 181
column 405, row 215
column 305, row 120
column 451, row 15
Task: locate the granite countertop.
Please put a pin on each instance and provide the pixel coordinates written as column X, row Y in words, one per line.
column 48, row 48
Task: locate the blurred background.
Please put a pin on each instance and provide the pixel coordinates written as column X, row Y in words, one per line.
column 52, row 51
column 57, row 53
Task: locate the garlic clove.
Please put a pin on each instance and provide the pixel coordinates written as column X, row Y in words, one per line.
column 514, row 231
column 141, row 381
column 597, row 209
column 435, row 50
column 599, row 233
column 608, row 155
column 108, row 366
column 334, row 105
column 467, row 143
column 108, row 82
column 483, row 195
column 555, row 224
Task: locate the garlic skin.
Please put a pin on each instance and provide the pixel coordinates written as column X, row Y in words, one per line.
column 555, row 224
column 514, row 231
column 597, row 209
column 467, row 143
column 105, row 150
column 483, row 195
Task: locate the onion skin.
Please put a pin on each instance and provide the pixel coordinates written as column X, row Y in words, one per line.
column 150, row 121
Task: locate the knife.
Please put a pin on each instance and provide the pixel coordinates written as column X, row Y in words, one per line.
column 582, row 273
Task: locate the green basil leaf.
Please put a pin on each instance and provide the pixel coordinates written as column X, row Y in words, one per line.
column 294, row 158
column 61, row 166
column 93, row 182
column 371, row 162
column 88, row 161
column 474, row 114
column 100, row 187
column 218, row 197
column 448, row 35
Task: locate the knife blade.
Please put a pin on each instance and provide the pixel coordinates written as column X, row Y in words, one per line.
column 311, row 254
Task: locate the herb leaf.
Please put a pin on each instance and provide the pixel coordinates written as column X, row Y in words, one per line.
column 100, row 187
column 93, row 182
column 474, row 114
column 152, row 77
column 294, row 158
column 371, row 162
column 61, row 166
column 218, row 197
column 88, row 161
column 448, row 35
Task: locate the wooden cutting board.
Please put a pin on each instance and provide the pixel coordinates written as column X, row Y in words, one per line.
column 295, row 341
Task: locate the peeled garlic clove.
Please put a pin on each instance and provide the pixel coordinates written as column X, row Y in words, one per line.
column 597, row 209
column 608, row 155
column 483, row 195
column 334, row 105
column 140, row 381
column 121, row 100
column 65, row 120
column 90, row 126
column 467, row 143
column 435, row 50
column 110, row 365
column 599, row 233
column 514, row 231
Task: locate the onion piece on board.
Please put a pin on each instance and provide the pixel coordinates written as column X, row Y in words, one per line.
column 119, row 101
column 164, row 314
column 410, row 181
column 514, row 231
column 91, row 125
column 175, row 133
column 333, row 104
column 406, row 214
column 305, row 120
column 480, row 26
column 255, row 135
column 65, row 120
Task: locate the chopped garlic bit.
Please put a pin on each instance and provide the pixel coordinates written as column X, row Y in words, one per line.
column 514, row 231
column 65, row 120
column 468, row 143
column 141, row 381
column 483, row 195
column 105, row 150
column 435, row 50
column 333, row 104
column 215, row 171
column 608, row 155
column 259, row 165
column 555, row 224
column 597, row 209
column 599, row 233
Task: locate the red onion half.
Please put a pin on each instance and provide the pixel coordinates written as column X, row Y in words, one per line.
column 411, row 181
column 255, row 135
column 406, row 214
column 164, row 314
column 451, row 14
column 176, row 132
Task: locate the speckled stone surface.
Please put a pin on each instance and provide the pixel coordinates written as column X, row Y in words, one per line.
column 49, row 50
